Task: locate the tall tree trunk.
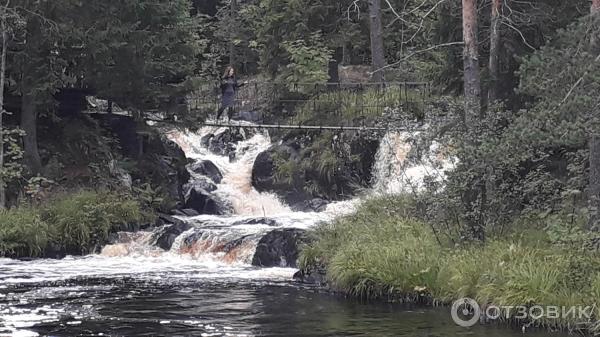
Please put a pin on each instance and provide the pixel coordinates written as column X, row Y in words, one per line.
column 29, row 125
column 471, row 62
column 472, row 83
column 232, row 24
column 2, row 80
column 594, row 144
column 377, row 51
column 496, row 20
column 594, row 188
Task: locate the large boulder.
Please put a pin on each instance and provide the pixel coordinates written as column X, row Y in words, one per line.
column 224, row 142
column 204, row 183
column 291, row 169
column 280, row 248
column 264, row 174
column 315, row 275
column 163, row 165
column 174, row 227
column 203, row 202
column 208, row 169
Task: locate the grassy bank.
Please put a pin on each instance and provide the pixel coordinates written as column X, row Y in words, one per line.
column 382, row 251
column 72, row 224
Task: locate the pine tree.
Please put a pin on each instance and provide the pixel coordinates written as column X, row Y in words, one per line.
column 377, row 49
column 471, row 62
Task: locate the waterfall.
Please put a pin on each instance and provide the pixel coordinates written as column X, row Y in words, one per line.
column 402, row 165
column 226, row 239
column 237, row 185
column 405, row 163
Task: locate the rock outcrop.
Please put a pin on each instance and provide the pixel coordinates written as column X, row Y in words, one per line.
column 280, row 248
column 208, row 169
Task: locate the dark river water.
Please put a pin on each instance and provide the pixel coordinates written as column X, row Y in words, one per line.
column 165, row 302
column 199, row 287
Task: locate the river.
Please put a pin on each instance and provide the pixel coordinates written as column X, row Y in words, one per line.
column 205, row 283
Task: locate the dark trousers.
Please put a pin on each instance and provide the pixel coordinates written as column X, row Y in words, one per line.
column 229, row 112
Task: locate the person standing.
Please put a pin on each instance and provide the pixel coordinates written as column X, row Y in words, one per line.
column 229, row 87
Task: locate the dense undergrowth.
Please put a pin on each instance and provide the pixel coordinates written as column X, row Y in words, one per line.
column 74, row 223
column 384, row 251
column 355, row 107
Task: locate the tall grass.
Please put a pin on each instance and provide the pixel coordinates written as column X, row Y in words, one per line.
column 73, row 223
column 81, row 220
column 22, row 232
column 384, row 252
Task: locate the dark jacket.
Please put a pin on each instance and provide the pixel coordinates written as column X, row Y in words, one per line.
column 229, row 86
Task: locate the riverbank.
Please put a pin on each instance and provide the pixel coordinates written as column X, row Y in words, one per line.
column 385, row 252
column 73, row 224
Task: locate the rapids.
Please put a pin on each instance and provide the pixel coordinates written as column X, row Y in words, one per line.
column 55, row 296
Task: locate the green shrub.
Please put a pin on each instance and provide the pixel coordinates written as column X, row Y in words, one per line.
column 383, row 251
column 22, row 233
column 81, row 220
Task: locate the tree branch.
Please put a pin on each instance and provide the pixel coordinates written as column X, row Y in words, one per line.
column 417, row 53
column 587, row 71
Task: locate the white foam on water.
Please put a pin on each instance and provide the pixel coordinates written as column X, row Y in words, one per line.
column 400, row 168
column 216, row 247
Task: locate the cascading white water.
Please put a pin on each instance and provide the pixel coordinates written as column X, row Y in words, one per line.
column 223, row 246
column 402, row 167
column 236, row 186
column 215, row 247
column 230, row 239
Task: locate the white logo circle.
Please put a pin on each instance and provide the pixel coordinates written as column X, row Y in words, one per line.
column 466, row 312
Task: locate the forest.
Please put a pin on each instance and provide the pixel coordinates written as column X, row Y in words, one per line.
column 96, row 97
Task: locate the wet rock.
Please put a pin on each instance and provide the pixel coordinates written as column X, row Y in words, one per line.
column 54, row 251
column 235, row 243
column 313, row 205
column 354, row 159
column 315, row 275
column 225, row 142
column 257, row 221
column 208, row 169
column 165, row 238
column 185, row 212
column 193, row 238
column 203, row 183
column 264, row 174
column 163, row 164
column 165, row 219
column 202, row 202
column 263, row 171
column 280, row 248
